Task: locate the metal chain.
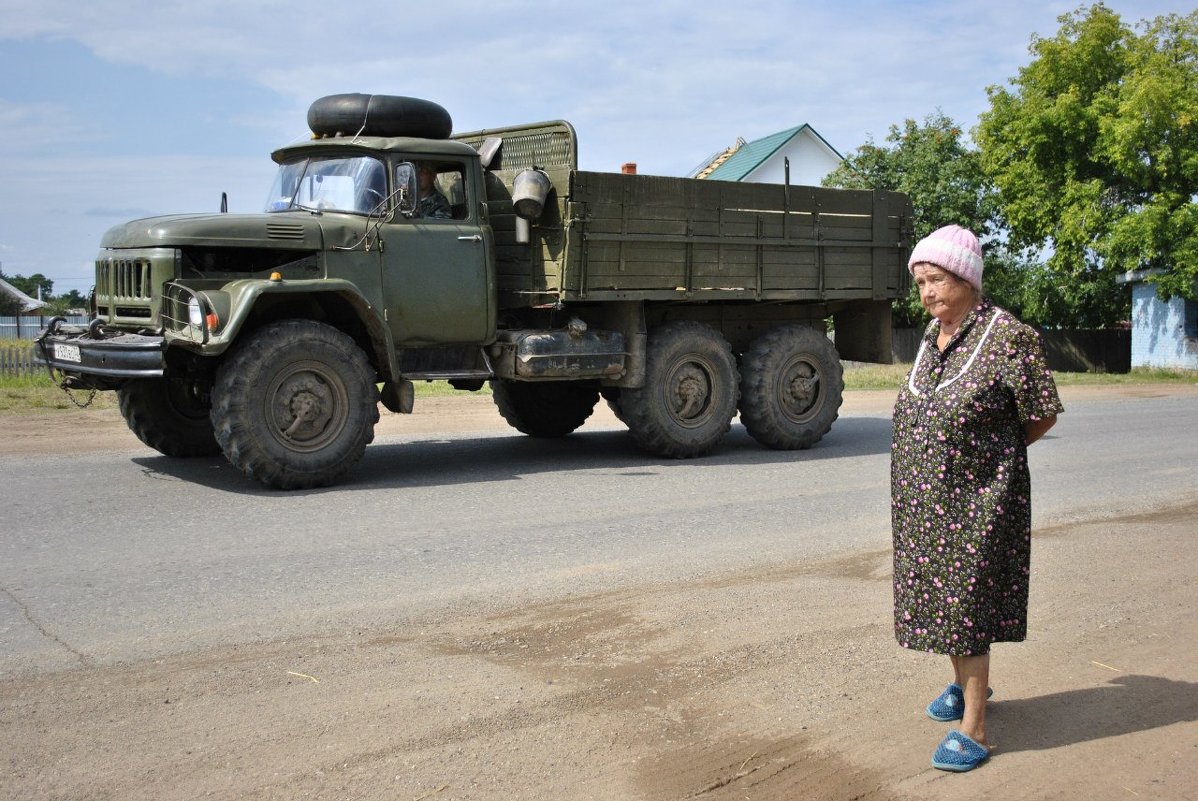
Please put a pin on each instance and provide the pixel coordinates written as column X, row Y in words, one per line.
column 62, row 384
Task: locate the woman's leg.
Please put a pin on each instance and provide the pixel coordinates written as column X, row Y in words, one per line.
column 973, row 675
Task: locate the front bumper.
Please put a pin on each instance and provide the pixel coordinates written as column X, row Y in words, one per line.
column 93, row 357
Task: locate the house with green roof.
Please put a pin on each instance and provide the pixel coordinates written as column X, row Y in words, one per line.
column 763, row 161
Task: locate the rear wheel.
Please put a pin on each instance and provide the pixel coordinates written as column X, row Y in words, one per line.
column 295, row 406
column 170, row 415
column 545, row 409
column 791, row 388
column 689, row 397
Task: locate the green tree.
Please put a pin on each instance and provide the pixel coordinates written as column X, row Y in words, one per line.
column 1094, row 150
column 65, row 304
column 931, row 163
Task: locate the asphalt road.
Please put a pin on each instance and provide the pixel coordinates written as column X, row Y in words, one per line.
column 108, row 557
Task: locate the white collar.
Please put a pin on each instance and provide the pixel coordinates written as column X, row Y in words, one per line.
column 969, row 362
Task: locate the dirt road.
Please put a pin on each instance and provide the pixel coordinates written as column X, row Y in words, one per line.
column 778, row 683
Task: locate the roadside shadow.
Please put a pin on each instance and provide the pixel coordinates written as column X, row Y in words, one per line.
column 1124, row 705
column 466, row 459
column 213, row 472
column 453, row 459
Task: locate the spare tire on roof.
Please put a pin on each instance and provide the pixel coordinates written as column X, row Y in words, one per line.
column 378, row 115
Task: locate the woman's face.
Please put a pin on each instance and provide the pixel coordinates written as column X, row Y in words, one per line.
column 944, row 295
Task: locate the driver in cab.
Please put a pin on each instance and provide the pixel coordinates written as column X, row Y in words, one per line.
column 431, row 203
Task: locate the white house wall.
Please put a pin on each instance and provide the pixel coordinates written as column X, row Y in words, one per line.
column 810, row 161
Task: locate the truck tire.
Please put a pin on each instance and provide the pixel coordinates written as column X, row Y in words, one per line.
column 546, row 409
column 295, row 405
column 791, row 387
column 170, row 415
column 689, row 397
column 379, row 115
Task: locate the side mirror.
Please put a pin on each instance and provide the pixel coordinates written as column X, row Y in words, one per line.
column 406, row 188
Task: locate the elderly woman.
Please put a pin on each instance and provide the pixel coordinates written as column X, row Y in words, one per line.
column 978, row 394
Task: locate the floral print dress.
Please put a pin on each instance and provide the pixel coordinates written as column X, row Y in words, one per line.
column 960, row 488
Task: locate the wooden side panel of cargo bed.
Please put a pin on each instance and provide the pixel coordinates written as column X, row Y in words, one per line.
column 532, row 271
column 654, row 237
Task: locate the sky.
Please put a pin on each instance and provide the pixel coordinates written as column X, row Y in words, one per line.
column 116, row 109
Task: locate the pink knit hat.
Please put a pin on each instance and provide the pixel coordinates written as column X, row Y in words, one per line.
column 950, row 248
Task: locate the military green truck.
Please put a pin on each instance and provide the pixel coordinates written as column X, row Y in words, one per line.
column 391, row 251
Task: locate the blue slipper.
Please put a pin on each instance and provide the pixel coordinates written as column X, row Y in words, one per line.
column 950, row 704
column 958, row 752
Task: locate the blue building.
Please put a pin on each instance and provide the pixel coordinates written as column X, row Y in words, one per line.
column 1164, row 333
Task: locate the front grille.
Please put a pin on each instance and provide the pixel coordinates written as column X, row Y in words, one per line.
column 124, row 279
column 128, row 284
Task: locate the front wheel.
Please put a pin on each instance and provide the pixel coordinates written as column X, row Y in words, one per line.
column 295, row 406
column 171, row 415
column 792, row 387
column 689, row 397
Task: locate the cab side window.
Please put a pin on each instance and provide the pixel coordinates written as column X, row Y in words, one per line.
column 452, row 184
column 437, row 190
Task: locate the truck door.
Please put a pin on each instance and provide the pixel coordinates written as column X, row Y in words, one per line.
column 437, row 282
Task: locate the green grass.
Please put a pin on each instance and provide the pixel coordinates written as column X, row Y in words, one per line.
column 441, row 389
column 38, row 394
column 874, row 376
column 1138, row 375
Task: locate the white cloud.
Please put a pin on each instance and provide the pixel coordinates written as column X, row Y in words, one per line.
column 39, row 128
column 663, row 84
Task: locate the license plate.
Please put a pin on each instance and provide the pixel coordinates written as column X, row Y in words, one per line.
column 67, row 353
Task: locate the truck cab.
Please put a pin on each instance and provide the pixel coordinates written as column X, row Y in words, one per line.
column 424, row 225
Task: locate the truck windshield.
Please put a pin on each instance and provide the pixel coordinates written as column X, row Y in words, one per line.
column 357, row 185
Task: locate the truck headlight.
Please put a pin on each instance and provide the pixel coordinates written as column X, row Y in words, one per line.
column 195, row 313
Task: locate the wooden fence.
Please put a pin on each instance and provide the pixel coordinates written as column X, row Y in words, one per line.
column 21, row 361
column 1075, row 351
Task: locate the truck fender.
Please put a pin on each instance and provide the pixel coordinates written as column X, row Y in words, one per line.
column 340, row 302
